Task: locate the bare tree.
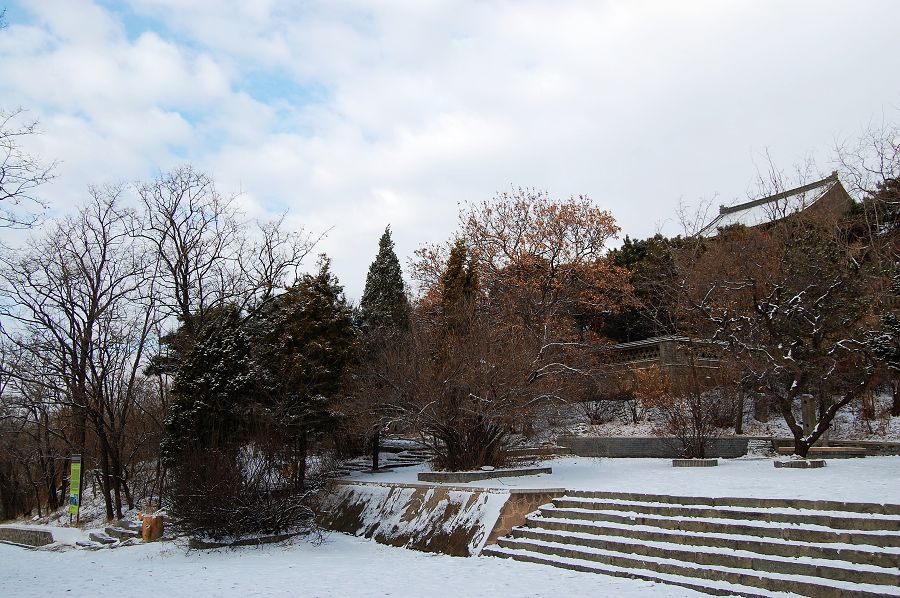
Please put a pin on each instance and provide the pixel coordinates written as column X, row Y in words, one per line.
column 21, row 173
column 793, row 309
column 207, row 255
column 870, row 159
column 195, row 235
column 80, row 303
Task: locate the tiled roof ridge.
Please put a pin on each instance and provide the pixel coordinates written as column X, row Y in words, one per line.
column 723, row 210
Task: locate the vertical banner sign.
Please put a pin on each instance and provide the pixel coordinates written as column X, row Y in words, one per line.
column 75, row 486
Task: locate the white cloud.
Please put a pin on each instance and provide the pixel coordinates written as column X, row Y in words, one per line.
column 355, row 114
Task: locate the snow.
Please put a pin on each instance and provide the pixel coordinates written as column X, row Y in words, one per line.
column 62, row 535
column 341, row 566
column 675, row 579
column 869, row 479
column 600, row 526
column 349, row 566
column 675, row 547
column 587, row 551
column 394, row 513
column 848, row 424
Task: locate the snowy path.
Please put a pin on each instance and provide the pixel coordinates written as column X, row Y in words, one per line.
column 872, row 479
column 342, row 566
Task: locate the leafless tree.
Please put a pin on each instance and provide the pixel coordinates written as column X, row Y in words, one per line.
column 21, row 173
column 78, row 301
column 207, row 254
column 793, row 309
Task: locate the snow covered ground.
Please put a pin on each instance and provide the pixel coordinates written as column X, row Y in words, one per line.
column 872, row 479
column 341, row 566
column 849, row 424
column 350, row 566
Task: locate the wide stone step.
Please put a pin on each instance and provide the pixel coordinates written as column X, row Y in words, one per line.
column 738, row 557
column 774, row 582
column 797, row 533
column 834, row 520
column 713, row 587
column 880, row 557
column 121, row 533
column 102, row 538
column 784, row 503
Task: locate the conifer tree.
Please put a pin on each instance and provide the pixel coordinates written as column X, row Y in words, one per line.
column 384, row 304
column 458, row 284
column 385, row 309
column 307, row 342
column 211, row 387
column 885, row 344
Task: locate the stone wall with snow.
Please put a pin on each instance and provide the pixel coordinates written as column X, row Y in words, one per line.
column 450, row 520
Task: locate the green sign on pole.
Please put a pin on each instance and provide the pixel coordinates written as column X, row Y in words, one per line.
column 75, row 486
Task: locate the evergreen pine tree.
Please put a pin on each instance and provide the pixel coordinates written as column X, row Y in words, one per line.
column 458, row 285
column 307, row 341
column 384, row 304
column 212, row 386
column 885, row 344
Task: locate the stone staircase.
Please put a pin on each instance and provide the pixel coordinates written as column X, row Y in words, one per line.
column 389, row 458
column 722, row 546
column 757, row 447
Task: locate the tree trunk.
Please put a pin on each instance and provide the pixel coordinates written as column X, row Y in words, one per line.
column 105, row 485
column 895, row 406
column 116, row 466
column 128, row 496
column 376, row 442
column 300, row 465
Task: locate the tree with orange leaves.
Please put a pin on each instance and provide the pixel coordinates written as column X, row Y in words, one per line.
column 543, row 266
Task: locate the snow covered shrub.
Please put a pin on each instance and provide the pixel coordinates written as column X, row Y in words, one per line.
column 684, row 408
column 615, row 398
column 235, row 493
column 598, row 412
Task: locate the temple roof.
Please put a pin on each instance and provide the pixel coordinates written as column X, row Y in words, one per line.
column 770, row 208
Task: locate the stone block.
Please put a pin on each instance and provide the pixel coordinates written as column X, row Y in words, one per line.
column 695, row 462
column 804, row 464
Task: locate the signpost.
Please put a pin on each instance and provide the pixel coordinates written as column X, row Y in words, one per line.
column 75, row 487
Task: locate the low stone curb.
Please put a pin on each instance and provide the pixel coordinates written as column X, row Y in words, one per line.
column 695, row 462
column 101, row 538
column 462, row 477
column 204, row 545
column 806, row 464
column 121, row 533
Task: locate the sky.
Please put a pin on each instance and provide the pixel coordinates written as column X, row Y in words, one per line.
column 351, row 115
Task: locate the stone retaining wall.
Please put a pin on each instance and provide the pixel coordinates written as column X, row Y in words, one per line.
column 451, row 520
column 29, row 537
column 667, row 448
column 881, row 448
column 517, row 507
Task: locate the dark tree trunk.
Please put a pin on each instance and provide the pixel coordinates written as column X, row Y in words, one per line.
column 128, row 497
column 300, row 462
column 376, row 448
column 739, row 418
column 895, row 406
column 105, row 477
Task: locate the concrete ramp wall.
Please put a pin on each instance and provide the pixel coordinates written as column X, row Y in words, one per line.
column 448, row 519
